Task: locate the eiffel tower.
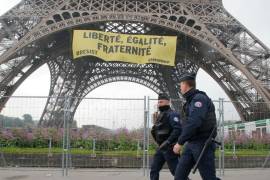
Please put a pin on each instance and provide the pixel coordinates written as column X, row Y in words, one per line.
column 37, row 32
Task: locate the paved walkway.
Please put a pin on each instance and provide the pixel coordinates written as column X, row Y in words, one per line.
column 117, row 174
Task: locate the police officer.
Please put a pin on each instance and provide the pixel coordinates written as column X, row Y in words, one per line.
column 165, row 132
column 198, row 122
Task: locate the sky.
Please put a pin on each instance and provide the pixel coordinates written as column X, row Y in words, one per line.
column 252, row 14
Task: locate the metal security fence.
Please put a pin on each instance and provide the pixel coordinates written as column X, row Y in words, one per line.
column 22, row 142
column 115, row 133
column 103, row 133
column 247, row 141
column 115, row 130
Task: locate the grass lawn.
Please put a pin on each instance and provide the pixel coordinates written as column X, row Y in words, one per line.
column 247, row 152
column 14, row 150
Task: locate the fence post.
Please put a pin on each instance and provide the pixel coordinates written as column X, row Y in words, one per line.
column 138, row 148
column 66, row 143
column 266, row 160
column 2, row 156
column 144, row 136
column 94, row 147
column 221, row 136
column 50, row 147
column 234, row 150
column 148, row 136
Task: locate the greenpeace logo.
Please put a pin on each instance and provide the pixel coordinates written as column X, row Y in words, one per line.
column 154, row 60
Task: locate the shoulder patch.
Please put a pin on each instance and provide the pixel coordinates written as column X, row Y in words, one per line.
column 176, row 119
column 198, row 104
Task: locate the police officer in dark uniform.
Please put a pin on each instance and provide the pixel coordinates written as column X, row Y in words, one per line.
column 165, row 132
column 198, row 122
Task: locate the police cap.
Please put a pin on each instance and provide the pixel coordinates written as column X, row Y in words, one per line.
column 163, row 96
column 187, row 76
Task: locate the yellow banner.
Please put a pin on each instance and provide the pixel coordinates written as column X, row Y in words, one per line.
column 139, row 49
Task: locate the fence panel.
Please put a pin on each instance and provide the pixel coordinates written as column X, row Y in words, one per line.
column 22, row 143
column 247, row 137
column 115, row 133
column 112, row 135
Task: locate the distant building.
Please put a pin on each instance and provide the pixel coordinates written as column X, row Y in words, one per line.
column 260, row 127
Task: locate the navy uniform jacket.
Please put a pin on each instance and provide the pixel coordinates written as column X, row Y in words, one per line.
column 171, row 122
column 200, row 118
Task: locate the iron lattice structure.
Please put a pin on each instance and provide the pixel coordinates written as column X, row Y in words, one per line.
column 37, row 32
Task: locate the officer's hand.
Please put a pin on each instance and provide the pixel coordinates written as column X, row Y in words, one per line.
column 164, row 145
column 177, row 148
column 155, row 116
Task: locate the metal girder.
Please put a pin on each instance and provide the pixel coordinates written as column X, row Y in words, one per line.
column 209, row 38
column 17, row 78
column 60, row 11
column 86, row 75
column 77, row 79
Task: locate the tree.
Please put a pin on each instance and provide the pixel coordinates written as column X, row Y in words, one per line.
column 2, row 121
column 27, row 119
column 9, row 122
